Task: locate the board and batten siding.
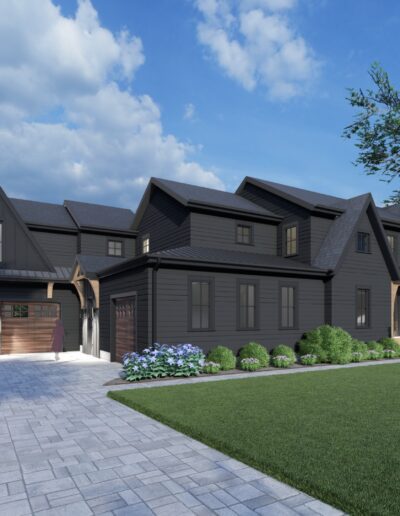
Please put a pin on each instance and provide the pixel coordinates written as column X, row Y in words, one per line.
column 363, row 270
column 97, row 245
column 61, row 248
column 65, row 295
column 129, row 281
column 220, row 233
column 166, row 222
column 173, row 307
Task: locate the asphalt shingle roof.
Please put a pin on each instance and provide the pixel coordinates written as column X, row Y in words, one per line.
column 60, row 274
column 212, row 197
column 43, row 213
column 93, row 264
column 99, row 216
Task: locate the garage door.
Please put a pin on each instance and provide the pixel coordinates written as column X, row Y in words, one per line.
column 125, row 320
column 27, row 327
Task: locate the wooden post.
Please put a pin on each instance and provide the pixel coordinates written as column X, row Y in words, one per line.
column 393, row 322
column 50, row 287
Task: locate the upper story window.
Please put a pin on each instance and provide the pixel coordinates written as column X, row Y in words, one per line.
column 247, row 306
column 244, row 234
column 146, row 244
column 392, row 242
column 291, row 244
column 363, row 242
column 114, row 248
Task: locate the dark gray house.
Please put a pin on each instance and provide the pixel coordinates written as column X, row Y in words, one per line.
column 266, row 263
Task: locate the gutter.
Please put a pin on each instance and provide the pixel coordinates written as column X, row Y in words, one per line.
column 154, row 300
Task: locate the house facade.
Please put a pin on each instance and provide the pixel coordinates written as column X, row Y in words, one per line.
column 266, row 263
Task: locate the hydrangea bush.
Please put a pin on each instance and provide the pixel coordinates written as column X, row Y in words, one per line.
column 163, row 360
column 281, row 361
column 250, row 364
column 211, row 367
column 308, row 359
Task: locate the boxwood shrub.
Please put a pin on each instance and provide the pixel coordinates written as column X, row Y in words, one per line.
column 223, row 356
column 329, row 343
column 285, row 351
column 391, row 344
column 375, row 350
column 255, row 350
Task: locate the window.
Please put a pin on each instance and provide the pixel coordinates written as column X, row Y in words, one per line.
column 146, row 244
column 291, row 241
column 114, row 248
column 362, row 307
column 247, row 306
column 200, row 301
column 391, row 242
column 363, row 242
column 288, row 307
column 20, row 311
column 244, row 234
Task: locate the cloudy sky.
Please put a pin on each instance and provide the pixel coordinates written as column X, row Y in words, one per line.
column 98, row 96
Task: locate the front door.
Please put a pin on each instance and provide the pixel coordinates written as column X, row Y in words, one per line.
column 125, row 326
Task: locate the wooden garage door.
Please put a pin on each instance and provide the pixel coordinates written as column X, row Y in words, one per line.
column 125, row 320
column 27, row 327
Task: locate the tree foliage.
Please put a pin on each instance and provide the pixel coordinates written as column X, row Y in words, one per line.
column 377, row 128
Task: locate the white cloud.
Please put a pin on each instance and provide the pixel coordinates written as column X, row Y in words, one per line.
column 189, row 112
column 67, row 127
column 255, row 44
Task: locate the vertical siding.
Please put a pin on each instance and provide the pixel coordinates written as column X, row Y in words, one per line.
column 172, row 310
column 96, row 245
column 166, row 221
column 63, row 294
column 220, row 233
column 362, row 270
column 131, row 281
column 61, row 248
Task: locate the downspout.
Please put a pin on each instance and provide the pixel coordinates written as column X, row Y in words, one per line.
column 154, row 301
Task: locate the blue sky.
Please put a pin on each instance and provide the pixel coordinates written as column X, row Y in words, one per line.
column 67, row 135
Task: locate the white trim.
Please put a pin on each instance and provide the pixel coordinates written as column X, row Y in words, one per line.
column 105, row 355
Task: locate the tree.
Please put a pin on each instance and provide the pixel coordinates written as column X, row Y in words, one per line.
column 377, row 128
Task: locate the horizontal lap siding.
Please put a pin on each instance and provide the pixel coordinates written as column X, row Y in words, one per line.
column 172, row 310
column 362, row 270
column 62, row 294
column 96, row 245
column 130, row 281
column 61, row 248
column 220, row 233
column 319, row 227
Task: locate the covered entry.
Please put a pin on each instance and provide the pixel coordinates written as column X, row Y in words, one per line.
column 125, row 325
column 27, row 327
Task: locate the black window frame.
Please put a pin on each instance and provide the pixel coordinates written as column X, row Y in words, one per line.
column 241, row 225
column 366, row 304
column 211, row 303
column 392, row 247
column 246, row 327
column 360, row 236
column 145, row 237
column 115, row 241
column 286, row 228
column 295, row 288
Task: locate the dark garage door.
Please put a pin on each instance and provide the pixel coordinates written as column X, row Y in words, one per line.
column 27, row 327
column 125, row 320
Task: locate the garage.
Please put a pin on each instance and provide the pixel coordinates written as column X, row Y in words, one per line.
column 125, row 320
column 27, row 327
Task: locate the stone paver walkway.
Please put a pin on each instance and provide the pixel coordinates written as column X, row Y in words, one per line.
column 67, row 449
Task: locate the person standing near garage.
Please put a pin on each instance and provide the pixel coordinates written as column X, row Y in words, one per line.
column 58, row 338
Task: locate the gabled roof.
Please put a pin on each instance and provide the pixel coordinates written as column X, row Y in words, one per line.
column 305, row 198
column 97, row 216
column 342, row 231
column 43, row 214
column 210, row 199
column 90, row 265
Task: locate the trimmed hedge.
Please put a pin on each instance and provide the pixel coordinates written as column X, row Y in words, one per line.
column 222, row 356
column 255, row 350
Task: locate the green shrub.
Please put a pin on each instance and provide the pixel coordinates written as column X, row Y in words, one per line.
column 223, row 356
column 255, row 350
column 281, row 361
column 250, row 364
column 359, row 351
column 211, row 367
column 329, row 343
column 390, row 344
column 309, row 359
column 389, row 353
column 282, row 350
column 375, row 350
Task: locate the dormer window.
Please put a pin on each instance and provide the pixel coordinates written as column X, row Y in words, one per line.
column 391, row 242
column 244, row 234
column 363, row 242
column 291, row 240
column 114, row 248
column 146, row 244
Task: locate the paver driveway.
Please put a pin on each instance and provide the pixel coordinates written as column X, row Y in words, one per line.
column 65, row 448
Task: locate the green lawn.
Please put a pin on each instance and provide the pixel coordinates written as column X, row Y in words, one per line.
column 333, row 434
